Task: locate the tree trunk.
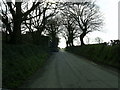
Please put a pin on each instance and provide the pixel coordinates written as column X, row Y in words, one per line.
column 17, row 20
column 16, row 35
column 81, row 38
column 72, row 40
column 72, row 43
column 67, row 43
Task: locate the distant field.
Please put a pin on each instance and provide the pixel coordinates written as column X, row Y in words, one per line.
column 20, row 62
column 103, row 54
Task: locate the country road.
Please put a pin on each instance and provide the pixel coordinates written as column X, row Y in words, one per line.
column 65, row 70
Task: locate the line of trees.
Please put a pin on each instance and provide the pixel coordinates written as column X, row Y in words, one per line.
column 87, row 16
column 70, row 19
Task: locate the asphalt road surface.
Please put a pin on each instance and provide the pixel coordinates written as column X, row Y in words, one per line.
column 65, row 70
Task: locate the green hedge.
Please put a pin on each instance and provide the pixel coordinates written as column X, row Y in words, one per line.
column 99, row 53
column 21, row 61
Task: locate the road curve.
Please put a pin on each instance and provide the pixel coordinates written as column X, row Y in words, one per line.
column 65, row 70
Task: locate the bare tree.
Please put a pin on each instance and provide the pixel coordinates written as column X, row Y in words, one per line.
column 53, row 30
column 87, row 15
column 37, row 19
column 6, row 19
column 18, row 16
column 71, row 31
column 98, row 40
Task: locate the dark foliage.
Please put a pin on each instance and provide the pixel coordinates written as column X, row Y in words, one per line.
column 21, row 61
column 101, row 53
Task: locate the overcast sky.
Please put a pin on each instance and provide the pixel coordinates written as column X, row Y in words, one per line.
column 109, row 8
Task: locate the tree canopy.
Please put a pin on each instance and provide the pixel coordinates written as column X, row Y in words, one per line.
column 76, row 19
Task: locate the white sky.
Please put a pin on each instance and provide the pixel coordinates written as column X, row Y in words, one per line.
column 109, row 8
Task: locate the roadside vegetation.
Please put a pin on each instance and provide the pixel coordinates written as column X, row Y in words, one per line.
column 99, row 53
column 26, row 39
column 31, row 29
column 20, row 62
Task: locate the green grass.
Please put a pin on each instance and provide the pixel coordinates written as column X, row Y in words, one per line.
column 108, row 55
column 21, row 61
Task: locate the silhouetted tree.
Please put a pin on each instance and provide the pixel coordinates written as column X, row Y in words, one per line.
column 6, row 19
column 18, row 16
column 115, row 42
column 99, row 40
column 40, row 16
column 71, row 31
column 87, row 15
column 53, row 30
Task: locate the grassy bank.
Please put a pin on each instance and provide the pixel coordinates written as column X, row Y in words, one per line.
column 108, row 55
column 21, row 61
